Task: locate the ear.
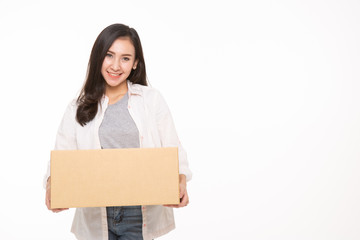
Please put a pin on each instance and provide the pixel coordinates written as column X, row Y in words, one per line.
column 135, row 64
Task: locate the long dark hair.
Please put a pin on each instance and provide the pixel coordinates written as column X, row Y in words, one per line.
column 94, row 87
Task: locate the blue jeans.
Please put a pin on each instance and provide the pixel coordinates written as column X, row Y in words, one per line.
column 124, row 223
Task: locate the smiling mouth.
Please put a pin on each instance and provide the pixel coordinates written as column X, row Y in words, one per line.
column 114, row 74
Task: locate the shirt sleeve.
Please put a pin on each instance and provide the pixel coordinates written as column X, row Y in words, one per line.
column 168, row 135
column 65, row 137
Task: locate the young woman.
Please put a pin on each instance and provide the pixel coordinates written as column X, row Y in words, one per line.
column 116, row 109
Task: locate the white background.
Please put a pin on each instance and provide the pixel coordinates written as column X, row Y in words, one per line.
column 265, row 97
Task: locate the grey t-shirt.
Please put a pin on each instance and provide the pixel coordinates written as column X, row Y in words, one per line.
column 118, row 129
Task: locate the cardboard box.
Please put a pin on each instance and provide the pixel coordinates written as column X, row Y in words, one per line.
column 114, row 177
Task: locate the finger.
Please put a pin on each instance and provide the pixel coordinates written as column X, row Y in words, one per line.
column 47, row 202
column 182, row 190
column 184, row 200
column 171, row 206
column 56, row 210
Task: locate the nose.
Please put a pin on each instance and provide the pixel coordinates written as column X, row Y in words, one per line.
column 115, row 66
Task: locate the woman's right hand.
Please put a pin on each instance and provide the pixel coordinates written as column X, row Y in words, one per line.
column 48, row 198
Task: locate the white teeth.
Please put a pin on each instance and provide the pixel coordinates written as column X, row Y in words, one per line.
column 113, row 74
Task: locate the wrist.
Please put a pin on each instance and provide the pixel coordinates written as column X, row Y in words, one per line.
column 48, row 183
column 182, row 179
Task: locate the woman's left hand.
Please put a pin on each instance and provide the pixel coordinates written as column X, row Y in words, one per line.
column 184, row 198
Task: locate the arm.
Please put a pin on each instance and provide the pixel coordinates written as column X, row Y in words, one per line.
column 184, row 198
column 65, row 139
column 48, row 198
column 168, row 135
column 169, row 138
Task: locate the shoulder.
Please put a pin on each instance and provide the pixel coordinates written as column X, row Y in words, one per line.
column 146, row 91
column 73, row 105
column 71, row 108
column 152, row 98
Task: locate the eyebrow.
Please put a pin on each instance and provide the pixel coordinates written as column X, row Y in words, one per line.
column 125, row 54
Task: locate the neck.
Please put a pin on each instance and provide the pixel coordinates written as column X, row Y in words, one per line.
column 116, row 93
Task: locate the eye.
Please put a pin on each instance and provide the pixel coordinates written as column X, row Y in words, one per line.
column 109, row 55
column 125, row 59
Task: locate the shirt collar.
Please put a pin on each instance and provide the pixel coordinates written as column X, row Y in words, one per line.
column 134, row 89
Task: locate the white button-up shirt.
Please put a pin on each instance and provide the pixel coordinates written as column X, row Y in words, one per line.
column 156, row 129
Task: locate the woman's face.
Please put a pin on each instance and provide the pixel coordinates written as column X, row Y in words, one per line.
column 118, row 62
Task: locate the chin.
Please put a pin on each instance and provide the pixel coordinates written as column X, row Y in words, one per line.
column 113, row 83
